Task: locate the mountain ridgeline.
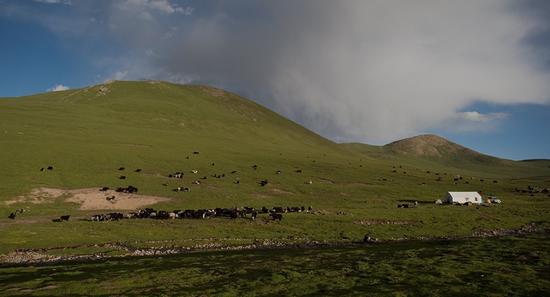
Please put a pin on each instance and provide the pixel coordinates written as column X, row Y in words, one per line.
column 158, row 125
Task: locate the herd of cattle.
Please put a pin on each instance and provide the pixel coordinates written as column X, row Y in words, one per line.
column 275, row 213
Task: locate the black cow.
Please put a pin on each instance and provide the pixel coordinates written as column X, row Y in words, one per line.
column 121, row 168
column 138, row 170
column 276, row 216
column 42, row 169
column 122, row 177
column 12, row 216
column 50, row 168
column 103, row 189
column 61, row 219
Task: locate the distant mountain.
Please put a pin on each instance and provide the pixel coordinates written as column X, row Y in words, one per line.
column 434, row 146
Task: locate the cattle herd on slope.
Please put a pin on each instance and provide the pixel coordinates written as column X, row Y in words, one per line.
column 275, row 212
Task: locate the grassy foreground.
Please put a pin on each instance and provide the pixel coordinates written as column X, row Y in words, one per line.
column 513, row 266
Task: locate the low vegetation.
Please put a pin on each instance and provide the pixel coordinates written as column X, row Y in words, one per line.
column 513, row 266
column 196, row 147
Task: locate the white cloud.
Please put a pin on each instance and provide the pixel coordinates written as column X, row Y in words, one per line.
column 57, row 88
column 474, row 121
column 475, row 116
column 66, row 2
column 351, row 70
column 368, row 71
column 163, row 6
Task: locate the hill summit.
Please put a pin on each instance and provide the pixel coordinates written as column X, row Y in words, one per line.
column 430, row 145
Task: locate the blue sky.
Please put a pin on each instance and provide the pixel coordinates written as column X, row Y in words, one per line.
column 476, row 72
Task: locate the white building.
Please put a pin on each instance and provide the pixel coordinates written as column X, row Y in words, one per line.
column 463, row 197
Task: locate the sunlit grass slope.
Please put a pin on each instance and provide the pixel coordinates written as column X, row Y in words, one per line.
column 87, row 134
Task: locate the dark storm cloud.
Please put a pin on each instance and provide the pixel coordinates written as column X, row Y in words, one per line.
column 351, row 70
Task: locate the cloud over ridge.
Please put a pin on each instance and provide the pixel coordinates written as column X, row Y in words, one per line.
column 351, row 70
column 364, row 70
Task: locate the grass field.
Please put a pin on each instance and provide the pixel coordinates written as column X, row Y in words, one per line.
column 512, row 266
column 87, row 134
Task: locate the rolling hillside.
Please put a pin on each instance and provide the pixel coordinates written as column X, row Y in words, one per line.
column 138, row 133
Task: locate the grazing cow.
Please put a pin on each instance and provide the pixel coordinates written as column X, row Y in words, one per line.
column 263, row 183
column 138, row 170
column 110, row 198
column 213, row 164
column 276, row 216
column 122, row 177
column 50, row 168
column 309, row 182
column 278, row 172
column 103, row 189
column 234, row 171
column 61, row 219
column 194, row 171
column 299, row 171
column 129, row 189
column 121, row 168
column 176, row 175
column 12, row 216
column 196, row 153
column 197, row 182
column 254, row 215
column 182, row 189
column 278, row 209
column 42, row 169
column 162, row 215
column 254, row 166
column 237, row 182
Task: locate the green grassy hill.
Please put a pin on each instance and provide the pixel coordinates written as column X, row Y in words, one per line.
column 87, row 134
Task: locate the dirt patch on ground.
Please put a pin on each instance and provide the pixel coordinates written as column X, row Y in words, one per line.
column 276, row 191
column 38, row 196
column 90, row 198
column 325, row 180
column 370, row 222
